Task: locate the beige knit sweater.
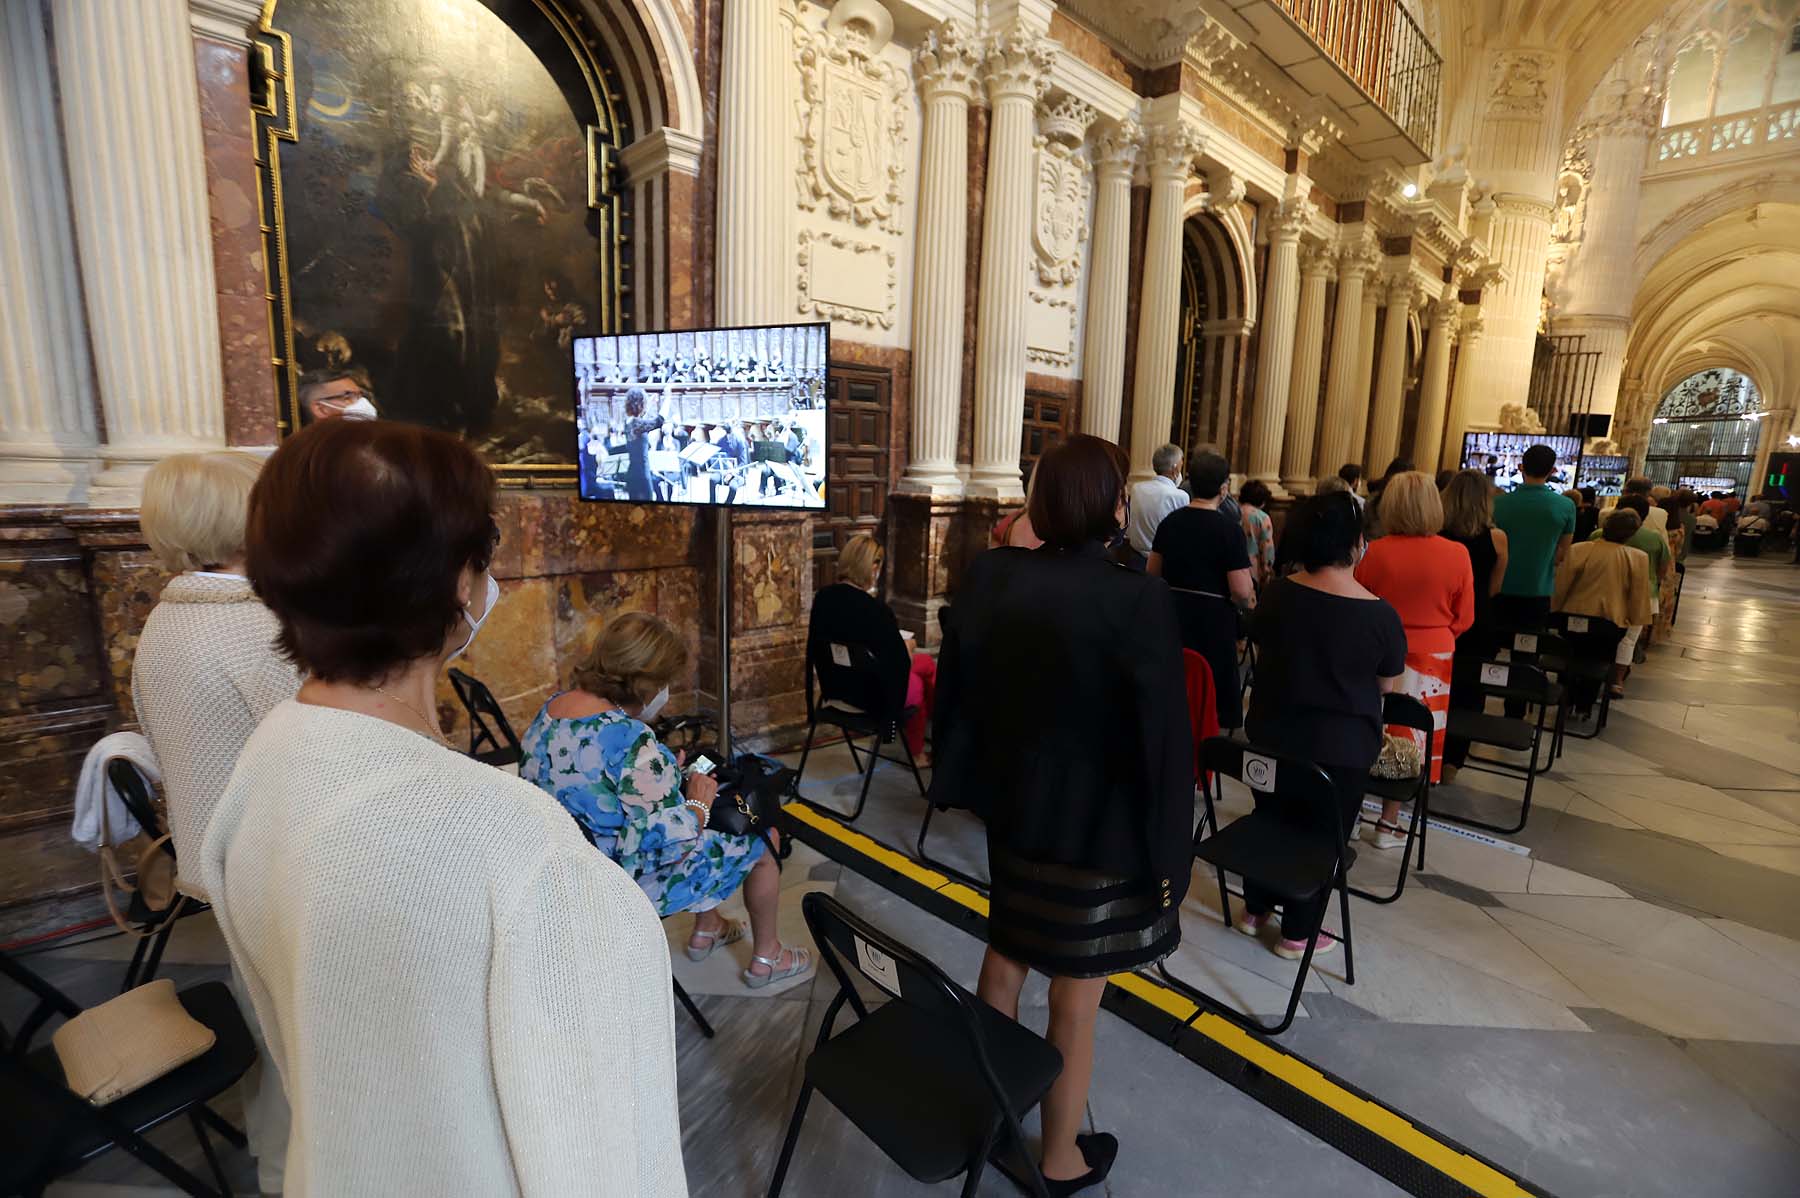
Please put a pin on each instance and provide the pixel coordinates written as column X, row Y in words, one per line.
column 206, row 673
column 462, row 996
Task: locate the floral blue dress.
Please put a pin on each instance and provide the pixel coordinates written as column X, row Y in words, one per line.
column 624, row 787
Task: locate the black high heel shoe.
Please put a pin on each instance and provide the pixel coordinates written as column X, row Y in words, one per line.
column 1099, row 1150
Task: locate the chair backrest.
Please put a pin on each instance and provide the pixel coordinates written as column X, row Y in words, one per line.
column 851, row 659
column 847, row 941
column 1199, row 615
column 1298, row 791
column 491, row 737
column 1406, row 712
column 1513, row 680
column 134, row 791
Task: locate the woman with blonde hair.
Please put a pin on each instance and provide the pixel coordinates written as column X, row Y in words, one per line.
column 1429, row 581
column 593, row 750
column 205, row 673
column 1469, row 521
column 849, row 611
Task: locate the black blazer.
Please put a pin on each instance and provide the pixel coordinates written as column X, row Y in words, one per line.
column 1062, row 715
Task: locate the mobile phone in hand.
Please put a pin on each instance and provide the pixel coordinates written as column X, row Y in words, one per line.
column 702, row 764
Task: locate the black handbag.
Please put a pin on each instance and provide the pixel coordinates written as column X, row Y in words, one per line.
column 751, row 790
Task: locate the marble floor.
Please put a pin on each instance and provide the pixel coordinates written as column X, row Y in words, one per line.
column 1607, row 1004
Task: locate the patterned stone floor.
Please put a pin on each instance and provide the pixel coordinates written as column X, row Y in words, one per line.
column 1607, row 1003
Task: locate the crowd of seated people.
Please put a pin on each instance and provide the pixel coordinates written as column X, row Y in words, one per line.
column 439, row 958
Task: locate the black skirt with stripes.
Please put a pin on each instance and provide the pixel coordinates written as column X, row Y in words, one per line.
column 1071, row 921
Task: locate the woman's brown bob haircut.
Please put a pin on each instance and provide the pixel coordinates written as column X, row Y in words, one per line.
column 1076, row 497
column 358, row 534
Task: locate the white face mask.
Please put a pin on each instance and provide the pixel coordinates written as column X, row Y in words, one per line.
column 657, row 702
column 475, row 622
column 362, row 409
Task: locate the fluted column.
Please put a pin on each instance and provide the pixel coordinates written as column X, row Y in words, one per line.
column 137, row 187
column 753, row 194
column 1275, row 348
column 1434, row 386
column 1103, row 339
column 1374, row 295
column 1353, row 266
column 1169, row 151
column 1017, row 64
column 1390, row 380
column 1467, row 380
column 1519, row 237
column 947, row 64
column 47, row 427
column 1309, row 354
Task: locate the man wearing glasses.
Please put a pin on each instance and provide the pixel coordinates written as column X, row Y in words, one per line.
column 333, row 391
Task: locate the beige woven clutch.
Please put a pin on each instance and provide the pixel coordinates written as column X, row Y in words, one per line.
column 128, row 1042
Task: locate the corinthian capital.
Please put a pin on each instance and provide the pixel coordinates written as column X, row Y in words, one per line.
column 1472, row 328
column 1362, row 257
column 948, row 62
column 1289, row 219
column 1317, row 260
column 1018, row 64
column 1446, row 315
column 1171, row 149
column 1403, row 292
column 1116, row 147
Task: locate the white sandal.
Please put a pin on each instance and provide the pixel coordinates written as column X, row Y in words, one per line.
column 802, row 964
column 731, row 933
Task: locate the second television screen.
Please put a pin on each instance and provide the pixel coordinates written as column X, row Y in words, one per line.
column 1498, row 456
column 715, row 416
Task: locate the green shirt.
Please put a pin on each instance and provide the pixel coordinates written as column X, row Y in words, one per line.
column 1534, row 518
column 1655, row 548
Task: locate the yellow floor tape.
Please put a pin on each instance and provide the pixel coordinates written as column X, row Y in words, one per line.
column 1483, row 1179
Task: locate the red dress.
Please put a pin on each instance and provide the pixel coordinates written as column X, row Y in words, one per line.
column 1429, row 582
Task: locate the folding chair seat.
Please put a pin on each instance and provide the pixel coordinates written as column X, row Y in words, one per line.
column 1495, row 730
column 1521, row 683
column 491, row 737
column 48, row 1131
column 936, row 1078
column 1295, row 845
column 1407, row 712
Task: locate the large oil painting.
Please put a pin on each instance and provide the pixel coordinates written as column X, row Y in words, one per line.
column 438, row 234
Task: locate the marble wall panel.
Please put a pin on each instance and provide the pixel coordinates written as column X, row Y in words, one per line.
column 514, row 655
column 1082, row 43
column 558, row 533
column 49, row 653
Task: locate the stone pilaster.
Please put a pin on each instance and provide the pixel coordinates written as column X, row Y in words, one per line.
column 1343, row 410
column 1169, row 151
column 1519, row 238
column 1316, row 266
column 947, row 66
column 47, row 427
column 1467, row 380
column 137, row 187
column 1103, row 344
column 1374, row 295
column 1390, row 380
column 1018, row 63
column 1275, row 348
column 1428, row 432
column 753, row 198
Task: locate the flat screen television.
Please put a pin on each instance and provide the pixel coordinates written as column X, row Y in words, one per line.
column 726, row 417
column 1497, row 456
column 1605, row 473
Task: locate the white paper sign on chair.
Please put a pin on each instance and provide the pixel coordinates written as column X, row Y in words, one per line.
column 1525, row 642
column 878, row 966
column 1494, row 674
column 1259, row 772
column 1578, row 623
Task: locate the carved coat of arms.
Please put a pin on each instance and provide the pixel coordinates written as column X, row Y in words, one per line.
column 852, row 130
column 855, row 146
column 1060, row 226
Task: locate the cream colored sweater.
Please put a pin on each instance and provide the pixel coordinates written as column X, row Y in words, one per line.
column 462, row 996
column 205, row 674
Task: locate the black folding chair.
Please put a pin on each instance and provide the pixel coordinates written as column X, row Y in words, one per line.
column 849, row 687
column 1520, row 682
column 1584, row 666
column 47, row 1131
column 681, row 994
column 1408, row 712
column 491, row 738
column 1295, row 845
column 155, row 927
column 936, row 1078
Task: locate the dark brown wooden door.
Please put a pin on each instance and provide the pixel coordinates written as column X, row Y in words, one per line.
column 858, row 403
column 1049, row 419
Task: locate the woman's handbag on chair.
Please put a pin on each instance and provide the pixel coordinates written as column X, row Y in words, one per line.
column 749, row 799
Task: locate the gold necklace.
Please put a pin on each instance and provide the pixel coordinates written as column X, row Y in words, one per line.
column 430, row 724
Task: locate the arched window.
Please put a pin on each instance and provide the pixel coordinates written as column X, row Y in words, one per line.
column 1707, row 426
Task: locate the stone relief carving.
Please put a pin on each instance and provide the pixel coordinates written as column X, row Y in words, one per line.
column 838, row 282
column 1050, row 330
column 1519, row 84
column 1059, row 228
column 1225, row 190
column 852, row 123
column 1517, row 418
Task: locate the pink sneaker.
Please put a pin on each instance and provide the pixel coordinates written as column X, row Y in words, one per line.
column 1251, row 925
column 1293, row 950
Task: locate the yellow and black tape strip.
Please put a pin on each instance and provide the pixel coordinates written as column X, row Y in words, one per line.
column 1410, row 1154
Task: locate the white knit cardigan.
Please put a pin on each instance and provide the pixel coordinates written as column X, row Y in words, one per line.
column 462, row 995
column 205, row 674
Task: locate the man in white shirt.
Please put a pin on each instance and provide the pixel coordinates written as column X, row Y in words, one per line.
column 1151, row 501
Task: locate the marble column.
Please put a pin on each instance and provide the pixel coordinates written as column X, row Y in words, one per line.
column 1275, row 348
column 1390, row 381
column 1519, row 238
column 1467, row 380
column 1362, row 383
column 1018, row 64
column 753, row 181
column 1309, row 354
column 1434, row 386
column 1347, row 332
column 1170, row 152
column 947, row 65
column 48, row 434
column 137, row 187
column 1103, row 339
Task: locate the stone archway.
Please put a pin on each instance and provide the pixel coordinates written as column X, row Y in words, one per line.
column 1215, row 338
